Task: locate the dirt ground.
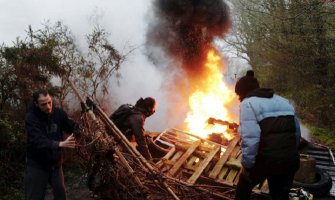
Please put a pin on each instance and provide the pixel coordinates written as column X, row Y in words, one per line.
column 76, row 189
column 74, row 193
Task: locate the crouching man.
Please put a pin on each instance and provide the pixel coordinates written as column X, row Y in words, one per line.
column 130, row 120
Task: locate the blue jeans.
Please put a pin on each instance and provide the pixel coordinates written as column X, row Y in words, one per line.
column 37, row 179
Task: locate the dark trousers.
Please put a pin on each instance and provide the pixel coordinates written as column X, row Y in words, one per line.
column 37, row 179
column 279, row 184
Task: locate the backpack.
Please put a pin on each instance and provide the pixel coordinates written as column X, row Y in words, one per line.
column 120, row 114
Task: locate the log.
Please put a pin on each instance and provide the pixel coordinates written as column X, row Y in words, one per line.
column 130, row 170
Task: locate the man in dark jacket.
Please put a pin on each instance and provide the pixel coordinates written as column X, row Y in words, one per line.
column 45, row 125
column 270, row 134
column 130, row 120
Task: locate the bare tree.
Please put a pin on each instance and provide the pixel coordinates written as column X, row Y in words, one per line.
column 101, row 62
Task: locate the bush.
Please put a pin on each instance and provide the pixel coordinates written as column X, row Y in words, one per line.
column 12, row 159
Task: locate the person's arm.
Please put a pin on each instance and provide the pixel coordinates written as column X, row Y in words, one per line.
column 250, row 132
column 69, row 142
column 39, row 140
column 69, row 126
column 137, row 125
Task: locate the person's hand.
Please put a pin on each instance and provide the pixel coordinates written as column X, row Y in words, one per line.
column 70, row 142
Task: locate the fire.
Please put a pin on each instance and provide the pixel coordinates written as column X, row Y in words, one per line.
column 209, row 100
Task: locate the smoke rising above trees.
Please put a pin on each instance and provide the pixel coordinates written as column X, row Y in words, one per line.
column 185, row 30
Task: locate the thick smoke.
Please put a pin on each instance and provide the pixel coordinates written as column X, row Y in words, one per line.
column 185, row 30
column 179, row 35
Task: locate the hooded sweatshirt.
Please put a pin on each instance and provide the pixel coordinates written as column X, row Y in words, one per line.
column 132, row 124
column 44, row 132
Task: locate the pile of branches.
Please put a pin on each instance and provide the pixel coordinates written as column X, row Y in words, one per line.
column 116, row 170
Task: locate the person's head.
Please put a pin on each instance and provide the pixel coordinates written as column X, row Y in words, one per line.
column 43, row 101
column 148, row 104
column 246, row 84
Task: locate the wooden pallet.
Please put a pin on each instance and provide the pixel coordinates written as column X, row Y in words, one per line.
column 199, row 157
column 193, row 159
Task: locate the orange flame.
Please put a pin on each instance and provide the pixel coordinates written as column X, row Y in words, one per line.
column 209, row 100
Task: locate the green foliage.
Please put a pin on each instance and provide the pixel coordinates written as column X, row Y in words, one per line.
column 23, row 65
column 10, row 131
column 31, row 64
column 323, row 136
column 290, row 45
column 12, row 158
column 90, row 71
column 14, row 193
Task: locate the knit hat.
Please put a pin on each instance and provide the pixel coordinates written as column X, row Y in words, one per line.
column 246, row 84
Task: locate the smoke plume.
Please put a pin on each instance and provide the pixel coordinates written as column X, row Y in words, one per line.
column 185, row 30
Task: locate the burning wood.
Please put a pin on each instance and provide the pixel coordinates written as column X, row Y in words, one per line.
column 210, row 99
column 204, row 164
column 224, row 137
column 116, row 170
column 231, row 125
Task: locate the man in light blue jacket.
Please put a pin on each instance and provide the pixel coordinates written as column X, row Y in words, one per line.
column 270, row 135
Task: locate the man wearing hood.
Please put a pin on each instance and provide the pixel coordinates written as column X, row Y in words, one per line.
column 45, row 125
column 270, row 135
column 130, row 120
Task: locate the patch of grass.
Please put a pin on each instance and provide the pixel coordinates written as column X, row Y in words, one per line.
column 323, row 136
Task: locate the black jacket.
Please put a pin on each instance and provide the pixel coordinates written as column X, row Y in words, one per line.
column 270, row 133
column 132, row 124
column 43, row 135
